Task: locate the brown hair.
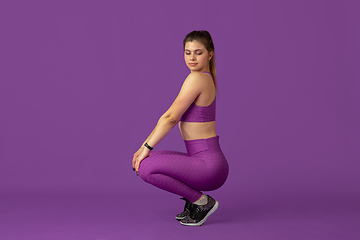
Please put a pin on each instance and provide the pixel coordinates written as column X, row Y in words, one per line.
column 205, row 38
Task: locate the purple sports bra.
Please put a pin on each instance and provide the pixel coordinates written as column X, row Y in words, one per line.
column 197, row 113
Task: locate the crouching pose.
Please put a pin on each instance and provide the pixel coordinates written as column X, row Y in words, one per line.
column 204, row 166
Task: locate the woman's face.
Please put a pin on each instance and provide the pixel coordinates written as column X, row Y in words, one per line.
column 196, row 56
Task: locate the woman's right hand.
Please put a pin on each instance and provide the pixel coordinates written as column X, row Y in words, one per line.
column 136, row 154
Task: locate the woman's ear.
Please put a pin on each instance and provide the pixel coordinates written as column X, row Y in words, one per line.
column 211, row 54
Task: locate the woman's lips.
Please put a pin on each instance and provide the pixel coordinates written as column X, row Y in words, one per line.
column 192, row 64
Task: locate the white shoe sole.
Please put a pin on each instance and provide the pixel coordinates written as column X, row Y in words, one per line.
column 215, row 207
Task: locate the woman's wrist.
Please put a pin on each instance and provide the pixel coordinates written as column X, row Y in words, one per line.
column 147, row 146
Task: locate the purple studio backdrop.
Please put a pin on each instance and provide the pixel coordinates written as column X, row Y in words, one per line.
column 82, row 84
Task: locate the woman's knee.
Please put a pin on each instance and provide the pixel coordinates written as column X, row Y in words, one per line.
column 145, row 169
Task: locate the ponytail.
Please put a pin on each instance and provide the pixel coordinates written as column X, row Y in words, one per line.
column 213, row 70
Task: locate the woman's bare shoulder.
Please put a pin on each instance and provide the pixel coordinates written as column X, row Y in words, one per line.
column 197, row 77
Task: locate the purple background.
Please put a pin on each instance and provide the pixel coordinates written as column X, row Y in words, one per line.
column 82, row 84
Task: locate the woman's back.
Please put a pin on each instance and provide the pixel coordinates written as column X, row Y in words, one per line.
column 198, row 122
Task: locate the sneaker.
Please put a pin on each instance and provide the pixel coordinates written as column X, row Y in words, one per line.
column 199, row 213
column 186, row 211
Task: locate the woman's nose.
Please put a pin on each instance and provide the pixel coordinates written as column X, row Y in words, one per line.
column 192, row 57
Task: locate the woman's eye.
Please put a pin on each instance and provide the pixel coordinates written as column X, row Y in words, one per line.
column 199, row 53
column 187, row 53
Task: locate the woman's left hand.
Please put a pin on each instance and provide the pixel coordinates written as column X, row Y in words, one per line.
column 136, row 162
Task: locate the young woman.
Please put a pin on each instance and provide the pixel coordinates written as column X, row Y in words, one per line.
column 203, row 167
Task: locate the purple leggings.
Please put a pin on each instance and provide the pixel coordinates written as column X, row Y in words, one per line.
column 202, row 168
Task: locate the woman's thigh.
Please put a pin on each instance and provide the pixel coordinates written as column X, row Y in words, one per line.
column 196, row 171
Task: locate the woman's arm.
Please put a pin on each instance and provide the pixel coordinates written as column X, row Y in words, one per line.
column 147, row 139
column 190, row 90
